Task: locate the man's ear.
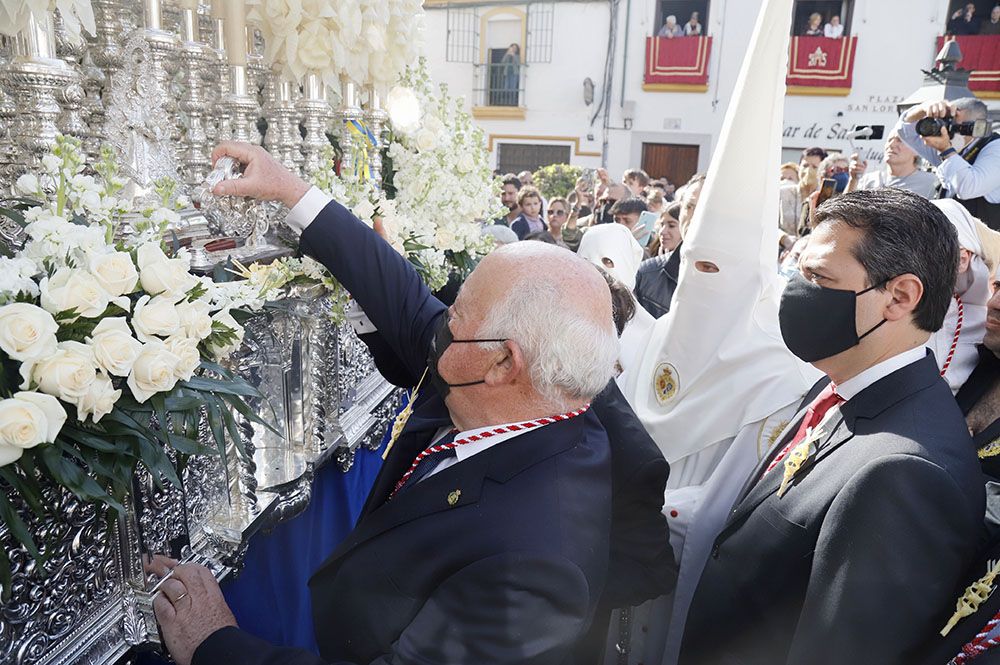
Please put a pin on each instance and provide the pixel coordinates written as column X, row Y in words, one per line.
column 906, row 291
column 506, row 364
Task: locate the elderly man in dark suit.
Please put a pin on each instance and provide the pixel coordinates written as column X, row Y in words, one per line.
column 851, row 536
column 486, row 545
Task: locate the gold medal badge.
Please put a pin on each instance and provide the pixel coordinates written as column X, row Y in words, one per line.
column 991, row 449
column 666, row 383
column 798, row 457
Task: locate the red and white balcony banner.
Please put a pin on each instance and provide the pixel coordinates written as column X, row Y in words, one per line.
column 680, row 63
column 981, row 55
column 821, row 65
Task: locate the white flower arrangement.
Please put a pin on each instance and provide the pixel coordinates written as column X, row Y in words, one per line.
column 368, row 41
column 76, row 15
column 97, row 337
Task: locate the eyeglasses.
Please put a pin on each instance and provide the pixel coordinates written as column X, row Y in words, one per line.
column 557, row 213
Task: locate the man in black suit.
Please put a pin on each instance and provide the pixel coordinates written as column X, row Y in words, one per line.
column 487, row 545
column 641, row 564
column 850, row 537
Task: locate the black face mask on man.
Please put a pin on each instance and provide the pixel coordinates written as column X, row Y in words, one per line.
column 818, row 322
column 439, row 344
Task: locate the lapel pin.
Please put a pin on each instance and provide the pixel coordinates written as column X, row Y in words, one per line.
column 453, row 497
column 797, row 458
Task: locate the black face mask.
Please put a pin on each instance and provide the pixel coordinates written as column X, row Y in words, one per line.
column 818, row 322
column 442, row 340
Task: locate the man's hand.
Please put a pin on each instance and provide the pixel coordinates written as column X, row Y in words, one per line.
column 858, row 166
column 264, row 177
column 939, row 109
column 941, row 142
column 189, row 608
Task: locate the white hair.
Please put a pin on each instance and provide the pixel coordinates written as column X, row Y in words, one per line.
column 501, row 234
column 569, row 356
column 974, row 107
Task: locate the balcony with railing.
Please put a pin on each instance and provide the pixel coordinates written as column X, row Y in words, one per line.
column 677, row 64
column 499, row 91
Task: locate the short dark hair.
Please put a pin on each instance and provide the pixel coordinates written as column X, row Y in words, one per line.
column 511, row 179
column 814, row 152
column 901, row 233
column 541, row 236
column 622, row 302
column 636, row 174
column 628, row 206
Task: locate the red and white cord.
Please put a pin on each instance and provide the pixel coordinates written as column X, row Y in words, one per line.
column 506, row 429
column 954, row 340
column 980, row 644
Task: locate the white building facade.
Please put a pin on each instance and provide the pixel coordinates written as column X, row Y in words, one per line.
column 584, row 92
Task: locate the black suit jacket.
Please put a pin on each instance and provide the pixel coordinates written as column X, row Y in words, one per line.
column 940, row 650
column 656, row 281
column 499, row 559
column 858, row 560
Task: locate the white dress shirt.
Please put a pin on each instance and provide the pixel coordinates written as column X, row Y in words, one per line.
column 467, row 450
column 306, row 210
column 850, row 388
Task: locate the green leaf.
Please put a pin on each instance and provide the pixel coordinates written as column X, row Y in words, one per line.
column 5, row 576
column 216, row 386
column 214, row 410
column 234, row 430
column 73, row 478
column 26, row 487
column 250, row 414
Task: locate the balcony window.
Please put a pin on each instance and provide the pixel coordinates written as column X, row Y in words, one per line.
column 822, row 18
column 681, row 18
column 968, row 18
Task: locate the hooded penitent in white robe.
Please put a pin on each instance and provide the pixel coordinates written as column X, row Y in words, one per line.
column 972, row 291
column 614, row 243
column 715, row 383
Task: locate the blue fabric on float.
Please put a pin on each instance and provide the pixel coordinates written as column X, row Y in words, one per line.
column 270, row 598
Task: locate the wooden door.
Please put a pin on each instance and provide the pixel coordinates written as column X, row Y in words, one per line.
column 676, row 163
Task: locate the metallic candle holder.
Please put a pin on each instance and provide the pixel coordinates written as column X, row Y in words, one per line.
column 218, row 76
column 36, row 80
column 164, row 47
column 71, row 98
column 282, row 117
column 350, row 109
column 316, row 114
column 195, row 147
column 376, row 118
column 240, row 107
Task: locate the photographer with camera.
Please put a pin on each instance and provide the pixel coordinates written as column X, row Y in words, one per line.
column 955, row 138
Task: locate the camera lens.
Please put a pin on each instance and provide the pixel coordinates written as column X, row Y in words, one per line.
column 930, row 126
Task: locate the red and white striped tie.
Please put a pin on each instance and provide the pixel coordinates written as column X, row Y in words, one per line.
column 479, row 436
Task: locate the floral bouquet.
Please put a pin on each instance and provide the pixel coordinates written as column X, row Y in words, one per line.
column 109, row 348
column 368, row 41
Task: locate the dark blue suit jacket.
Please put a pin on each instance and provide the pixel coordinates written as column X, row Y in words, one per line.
column 510, row 572
column 858, row 561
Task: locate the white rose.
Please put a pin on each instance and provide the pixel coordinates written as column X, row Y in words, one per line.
column 195, row 319
column 67, row 373
column 226, row 319
column 155, row 317
column 465, row 163
column 153, row 371
column 99, row 400
column 114, row 347
column 26, row 331
column 70, row 288
column 315, row 45
column 115, row 272
column 188, row 357
column 27, row 420
column 426, row 140
column 28, row 184
column 158, row 274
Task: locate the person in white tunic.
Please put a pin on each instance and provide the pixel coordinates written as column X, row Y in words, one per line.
column 714, row 384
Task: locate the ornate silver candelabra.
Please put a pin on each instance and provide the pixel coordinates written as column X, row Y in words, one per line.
column 282, row 135
column 36, row 79
column 218, row 75
column 240, row 107
column 316, row 114
column 376, row 118
column 195, row 58
column 163, row 47
column 350, row 110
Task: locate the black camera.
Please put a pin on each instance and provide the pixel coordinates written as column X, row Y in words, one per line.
column 932, row 127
